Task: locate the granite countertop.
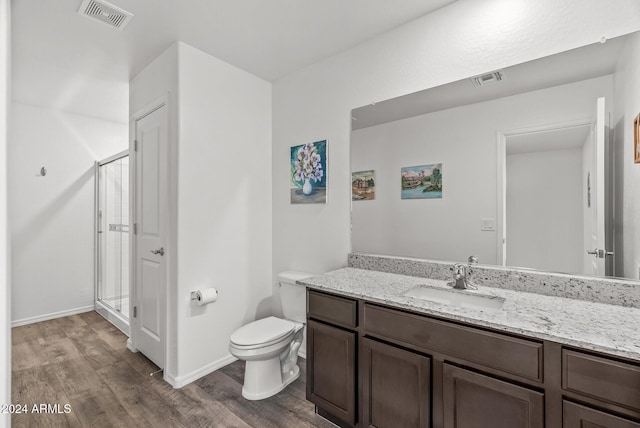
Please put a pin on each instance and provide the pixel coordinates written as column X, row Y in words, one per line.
column 599, row 327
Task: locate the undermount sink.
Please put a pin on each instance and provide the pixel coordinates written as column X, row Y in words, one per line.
column 468, row 299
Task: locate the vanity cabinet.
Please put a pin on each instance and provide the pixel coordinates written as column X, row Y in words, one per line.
column 396, row 386
column 371, row 365
column 331, row 355
column 475, row 400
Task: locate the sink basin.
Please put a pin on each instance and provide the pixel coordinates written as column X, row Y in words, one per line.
column 468, row 299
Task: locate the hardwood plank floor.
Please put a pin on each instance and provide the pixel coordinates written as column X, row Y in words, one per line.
column 83, row 361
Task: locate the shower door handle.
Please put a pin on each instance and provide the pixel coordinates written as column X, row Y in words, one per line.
column 160, row 251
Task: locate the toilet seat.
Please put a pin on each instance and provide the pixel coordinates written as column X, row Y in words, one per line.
column 262, row 333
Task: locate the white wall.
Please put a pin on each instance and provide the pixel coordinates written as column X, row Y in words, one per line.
column 224, row 208
column 464, row 140
column 5, row 289
column 220, row 138
column 52, row 226
column 463, row 39
column 627, row 106
column 543, row 210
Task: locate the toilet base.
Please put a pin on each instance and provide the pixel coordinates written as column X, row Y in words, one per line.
column 263, row 379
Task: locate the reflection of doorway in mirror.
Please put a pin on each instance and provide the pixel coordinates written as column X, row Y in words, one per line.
column 547, row 210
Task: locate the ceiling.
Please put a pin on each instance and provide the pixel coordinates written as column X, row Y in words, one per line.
column 63, row 60
column 572, row 66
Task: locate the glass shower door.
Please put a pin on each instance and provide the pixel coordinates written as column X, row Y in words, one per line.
column 112, row 240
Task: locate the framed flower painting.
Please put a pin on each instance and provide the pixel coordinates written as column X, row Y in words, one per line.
column 308, row 164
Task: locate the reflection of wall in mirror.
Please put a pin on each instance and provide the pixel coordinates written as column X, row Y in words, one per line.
column 450, row 230
column 627, row 203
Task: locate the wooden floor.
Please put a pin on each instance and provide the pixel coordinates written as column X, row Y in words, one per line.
column 82, row 360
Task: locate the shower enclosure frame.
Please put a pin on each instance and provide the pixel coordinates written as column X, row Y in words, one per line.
column 115, row 318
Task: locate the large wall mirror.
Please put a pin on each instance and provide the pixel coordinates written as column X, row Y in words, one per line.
column 529, row 166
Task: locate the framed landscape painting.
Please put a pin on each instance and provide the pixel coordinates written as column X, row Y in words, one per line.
column 363, row 186
column 422, row 181
column 308, row 163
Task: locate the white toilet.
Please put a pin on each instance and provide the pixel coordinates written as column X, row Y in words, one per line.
column 270, row 345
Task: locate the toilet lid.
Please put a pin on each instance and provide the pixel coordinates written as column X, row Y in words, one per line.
column 262, row 331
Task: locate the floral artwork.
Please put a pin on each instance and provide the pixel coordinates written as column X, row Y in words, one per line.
column 422, row 181
column 309, row 173
column 363, row 186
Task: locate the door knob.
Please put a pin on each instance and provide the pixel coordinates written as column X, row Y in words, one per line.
column 160, row 251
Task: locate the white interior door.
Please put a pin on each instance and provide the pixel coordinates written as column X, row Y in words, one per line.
column 596, row 245
column 151, row 248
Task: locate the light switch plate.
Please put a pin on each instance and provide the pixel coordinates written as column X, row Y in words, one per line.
column 488, row 224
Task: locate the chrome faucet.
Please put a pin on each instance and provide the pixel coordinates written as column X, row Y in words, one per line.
column 461, row 273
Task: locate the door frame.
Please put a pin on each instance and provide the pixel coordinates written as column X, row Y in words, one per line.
column 149, row 108
column 501, row 148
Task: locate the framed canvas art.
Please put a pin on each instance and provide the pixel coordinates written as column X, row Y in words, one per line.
column 422, row 181
column 308, row 163
column 363, row 186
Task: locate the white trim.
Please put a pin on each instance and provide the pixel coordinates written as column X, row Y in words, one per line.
column 180, row 381
column 51, row 316
column 130, row 346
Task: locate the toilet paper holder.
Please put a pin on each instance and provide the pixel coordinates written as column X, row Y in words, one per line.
column 204, row 296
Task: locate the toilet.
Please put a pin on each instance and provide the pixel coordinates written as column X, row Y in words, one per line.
column 270, row 345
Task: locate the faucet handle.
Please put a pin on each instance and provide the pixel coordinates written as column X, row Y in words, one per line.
column 473, row 259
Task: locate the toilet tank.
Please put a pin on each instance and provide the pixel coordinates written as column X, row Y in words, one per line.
column 293, row 296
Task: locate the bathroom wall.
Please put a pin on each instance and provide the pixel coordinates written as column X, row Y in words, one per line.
column 5, row 289
column 458, row 41
column 464, row 140
column 220, row 124
column 52, row 216
column 627, row 203
column 224, row 214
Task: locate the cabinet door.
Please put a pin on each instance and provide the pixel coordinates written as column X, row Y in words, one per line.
column 472, row 400
column 331, row 370
column 577, row 416
column 396, row 387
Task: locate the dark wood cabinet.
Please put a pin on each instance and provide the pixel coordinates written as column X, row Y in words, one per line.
column 578, row 416
column 396, row 387
column 472, row 400
column 371, row 365
column 331, row 369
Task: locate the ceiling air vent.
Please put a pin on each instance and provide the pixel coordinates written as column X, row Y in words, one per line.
column 488, row 78
column 106, row 13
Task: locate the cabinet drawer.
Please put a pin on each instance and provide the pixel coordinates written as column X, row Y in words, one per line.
column 608, row 380
column 577, row 416
column 332, row 309
column 508, row 354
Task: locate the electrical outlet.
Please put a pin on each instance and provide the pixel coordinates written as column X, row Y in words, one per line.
column 488, row 224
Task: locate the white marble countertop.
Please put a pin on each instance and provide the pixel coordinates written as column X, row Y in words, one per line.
column 606, row 328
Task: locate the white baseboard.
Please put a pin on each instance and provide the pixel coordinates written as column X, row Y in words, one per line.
column 51, row 316
column 180, row 381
